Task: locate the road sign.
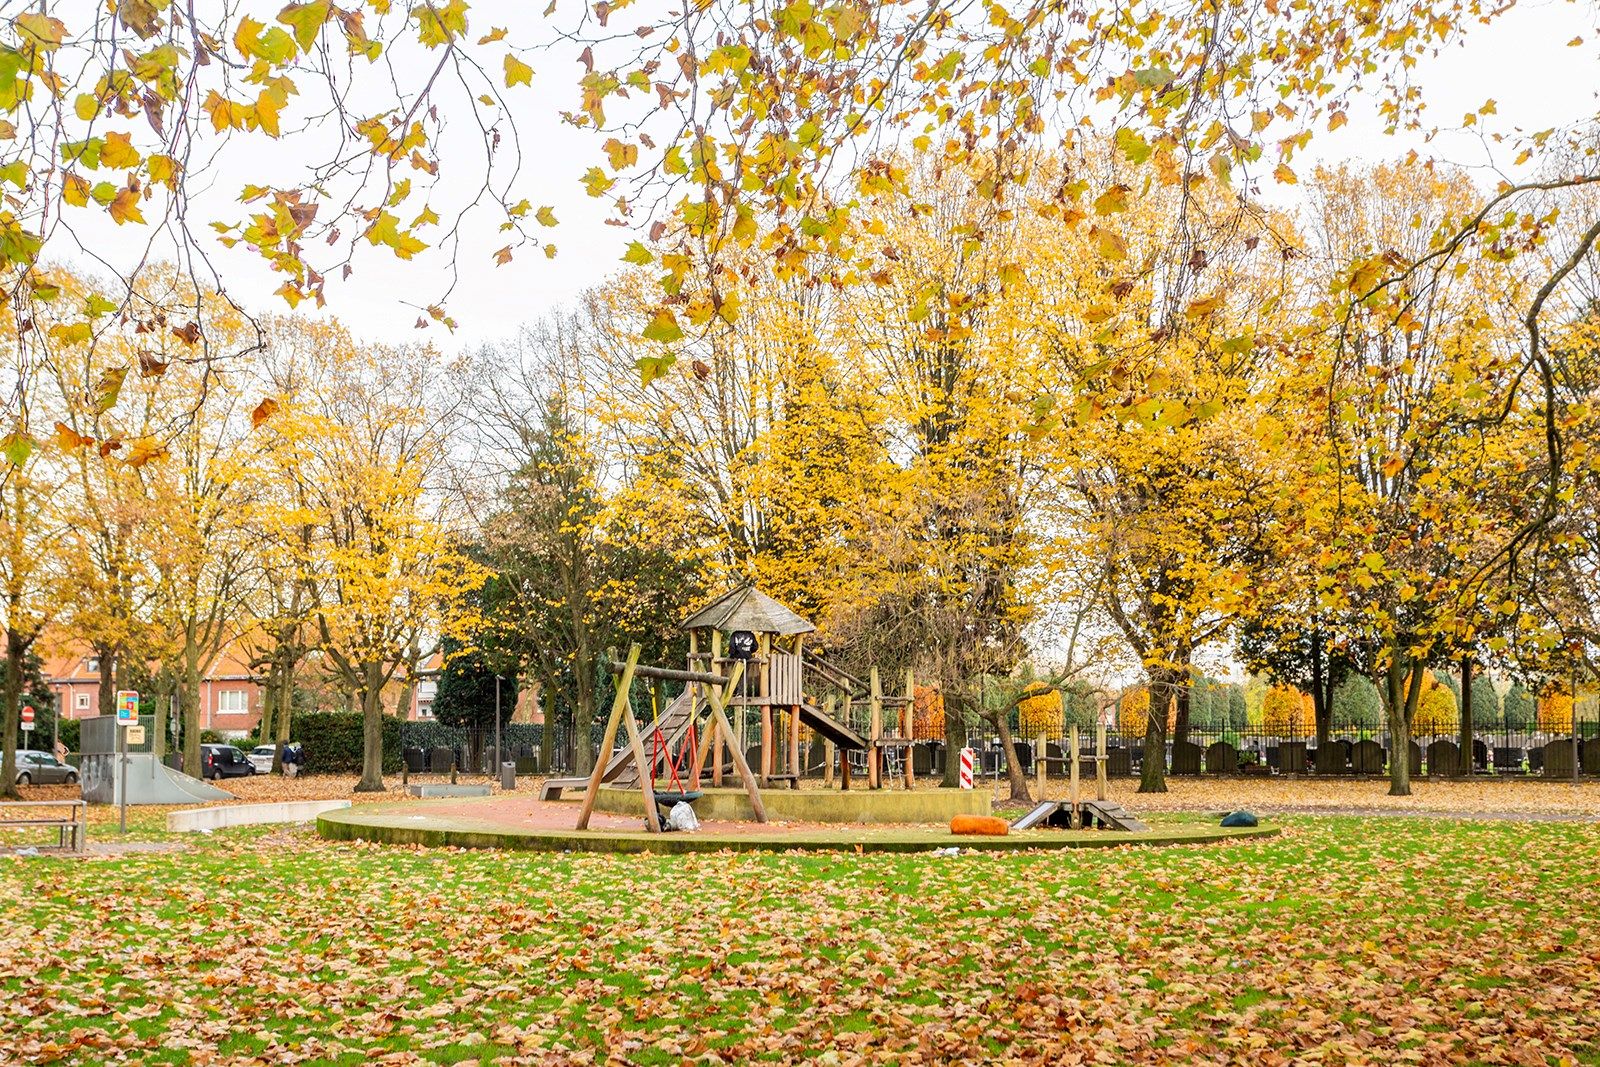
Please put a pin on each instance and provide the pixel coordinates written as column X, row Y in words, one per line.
column 127, row 707
column 136, row 735
column 27, row 716
column 967, row 755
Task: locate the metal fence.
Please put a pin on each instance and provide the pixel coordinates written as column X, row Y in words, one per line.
column 551, row 749
column 1349, row 752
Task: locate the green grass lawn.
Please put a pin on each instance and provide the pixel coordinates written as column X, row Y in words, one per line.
column 1342, row 941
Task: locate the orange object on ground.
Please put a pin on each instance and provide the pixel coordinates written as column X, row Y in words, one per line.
column 987, row 825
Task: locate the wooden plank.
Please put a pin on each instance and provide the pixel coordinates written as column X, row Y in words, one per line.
column 609, row 739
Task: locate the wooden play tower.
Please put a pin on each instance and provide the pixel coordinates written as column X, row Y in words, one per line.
column 746, row 652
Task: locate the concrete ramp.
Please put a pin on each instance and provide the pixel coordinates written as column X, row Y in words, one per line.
column 149, row 782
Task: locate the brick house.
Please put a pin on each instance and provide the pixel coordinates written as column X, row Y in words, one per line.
column 230, row 692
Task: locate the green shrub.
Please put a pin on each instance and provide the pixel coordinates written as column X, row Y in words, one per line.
column 70, row 734
column 1518, row 708
column 332, row 741
column 211, row 737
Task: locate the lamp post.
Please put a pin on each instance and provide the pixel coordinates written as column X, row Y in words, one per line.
column 497, row 723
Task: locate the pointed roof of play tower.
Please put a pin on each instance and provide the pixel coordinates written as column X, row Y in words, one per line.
column 748, row 608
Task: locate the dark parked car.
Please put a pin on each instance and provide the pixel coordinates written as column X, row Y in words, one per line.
column 41, row 768
column 224, row 761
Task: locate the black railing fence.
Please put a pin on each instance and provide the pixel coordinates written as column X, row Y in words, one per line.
column 431, row 748
column 1348, row 752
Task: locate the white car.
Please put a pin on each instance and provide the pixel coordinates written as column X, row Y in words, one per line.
column 260, row 758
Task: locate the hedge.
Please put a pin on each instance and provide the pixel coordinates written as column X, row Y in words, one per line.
column 332, row 741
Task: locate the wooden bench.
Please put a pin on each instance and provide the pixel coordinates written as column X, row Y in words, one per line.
column 72, row 829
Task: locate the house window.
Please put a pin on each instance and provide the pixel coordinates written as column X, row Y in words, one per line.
column 81, row 701
column 92, row 664
column 233, row 702
column 424, row 709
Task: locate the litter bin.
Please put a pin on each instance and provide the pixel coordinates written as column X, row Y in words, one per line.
column 508, row 776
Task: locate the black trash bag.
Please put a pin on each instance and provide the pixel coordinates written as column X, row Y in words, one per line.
column 1239, row 818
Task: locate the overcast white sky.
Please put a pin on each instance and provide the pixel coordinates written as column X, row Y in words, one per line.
column 1523, row 62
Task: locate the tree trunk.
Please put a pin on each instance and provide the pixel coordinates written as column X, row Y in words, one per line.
column 1321, row 693
column 1014, row 775
column 583, row 719
column 1404, row 688
column 1180, row 725
column 158, row 731
column 106, row 697
column 547, row 730
column 1153, row 776
column 372, row 730
column 189, row 701
column 16, row 653
column 955, row 739
column 1465, row 768
column 285, row 702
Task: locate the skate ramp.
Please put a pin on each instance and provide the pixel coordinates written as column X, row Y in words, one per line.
column 149, row 782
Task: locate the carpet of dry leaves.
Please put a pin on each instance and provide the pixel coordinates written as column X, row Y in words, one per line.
column 1345, row 940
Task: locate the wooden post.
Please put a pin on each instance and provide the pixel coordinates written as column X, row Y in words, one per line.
column 719, row 722
column 1039, row 763
column 716, row 743
column 875, row 752
column 1100, row 761
column 827, row 746
column 844, row 757
column 609, row 739
column 1072, row 787
column 769, row 748
column 908, row 727
column 766, row 744
column 795, row 767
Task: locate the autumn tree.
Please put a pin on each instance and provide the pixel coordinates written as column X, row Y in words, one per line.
column 1426, row 427
column 577, row 569
column 31, row 589
column 364, row 437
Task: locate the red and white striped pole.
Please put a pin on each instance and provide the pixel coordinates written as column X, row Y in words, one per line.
column 967, row 756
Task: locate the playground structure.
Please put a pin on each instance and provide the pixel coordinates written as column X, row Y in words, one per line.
column 746, row 651
column 1076, row 812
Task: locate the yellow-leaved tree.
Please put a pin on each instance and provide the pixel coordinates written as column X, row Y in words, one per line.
column 362, row 440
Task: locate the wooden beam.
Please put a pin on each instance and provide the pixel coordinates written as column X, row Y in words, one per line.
column 671, row 674
column 794, row 744
column 603, row 757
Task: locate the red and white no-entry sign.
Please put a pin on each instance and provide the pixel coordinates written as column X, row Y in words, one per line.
column 27, row 716
column 967, row 756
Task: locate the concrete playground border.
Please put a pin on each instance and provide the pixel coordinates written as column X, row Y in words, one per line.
column 196, row 819
column 413, row 824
